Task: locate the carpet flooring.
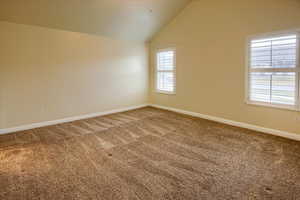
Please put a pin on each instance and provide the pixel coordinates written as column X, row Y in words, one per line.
column 147, row 154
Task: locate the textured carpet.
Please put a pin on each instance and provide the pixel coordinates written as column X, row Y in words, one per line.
column 147, row 154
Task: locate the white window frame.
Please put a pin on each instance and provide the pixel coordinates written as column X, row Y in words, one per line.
column 156, row 71
column 295, row 107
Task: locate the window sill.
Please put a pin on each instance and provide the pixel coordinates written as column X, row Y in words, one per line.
column 165, row 92
column 277, row 106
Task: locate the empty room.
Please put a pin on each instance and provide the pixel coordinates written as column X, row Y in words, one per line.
column 150, row 99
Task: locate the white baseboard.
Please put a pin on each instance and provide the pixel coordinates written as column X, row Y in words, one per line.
column 293, row 136
column 69, row 119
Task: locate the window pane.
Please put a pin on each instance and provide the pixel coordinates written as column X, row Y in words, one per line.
column 165, row 60
column 260, row 87
column 284, row 88
column 277, row 88
column 165, row 81
column 278, row 52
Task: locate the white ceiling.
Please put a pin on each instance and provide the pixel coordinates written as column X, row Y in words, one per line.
column 122, row 19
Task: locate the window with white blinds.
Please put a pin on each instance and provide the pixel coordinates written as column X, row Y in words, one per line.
column 273, row 71
column 165, row 71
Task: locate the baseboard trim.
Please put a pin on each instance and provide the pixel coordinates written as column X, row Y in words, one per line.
column 293, row 136
column 69, row 119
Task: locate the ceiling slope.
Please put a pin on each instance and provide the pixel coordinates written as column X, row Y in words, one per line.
column 123, row 19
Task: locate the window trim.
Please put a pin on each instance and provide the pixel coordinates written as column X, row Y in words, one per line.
column 156, row 71
column 295, row 107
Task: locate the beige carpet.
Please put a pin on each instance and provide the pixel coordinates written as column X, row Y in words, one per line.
column 147, row 154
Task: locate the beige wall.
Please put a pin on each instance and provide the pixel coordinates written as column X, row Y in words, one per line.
column 210, row 37
column 49, row 74
column 1, row 99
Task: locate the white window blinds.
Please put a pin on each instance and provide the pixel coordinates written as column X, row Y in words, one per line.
column 274, row 71
column 165, row 71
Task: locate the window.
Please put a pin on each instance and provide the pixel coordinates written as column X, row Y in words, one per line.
column 273, row 71
column 165, row 71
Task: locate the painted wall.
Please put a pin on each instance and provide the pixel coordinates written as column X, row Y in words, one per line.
column 1, row 99
column 210, row 37
column 48, row 74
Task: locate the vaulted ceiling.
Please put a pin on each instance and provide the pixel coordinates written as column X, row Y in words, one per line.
column 123, row 19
